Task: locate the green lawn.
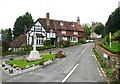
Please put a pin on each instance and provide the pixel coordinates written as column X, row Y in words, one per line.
column 115, row 46
column 21, row 63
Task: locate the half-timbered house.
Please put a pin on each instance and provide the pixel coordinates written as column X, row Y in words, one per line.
column 54, row 30
column 49, row 29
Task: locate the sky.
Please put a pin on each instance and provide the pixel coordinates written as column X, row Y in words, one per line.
column 66, row 10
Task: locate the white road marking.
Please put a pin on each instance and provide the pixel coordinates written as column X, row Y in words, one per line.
column 81, row 53
column 69, row 74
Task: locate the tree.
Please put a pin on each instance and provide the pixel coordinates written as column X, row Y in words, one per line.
column 86, row 30
column 9, row 35
column 20, row 23
column 5, row 46
column 4, row 34
column 113, row 23
column 99, row 29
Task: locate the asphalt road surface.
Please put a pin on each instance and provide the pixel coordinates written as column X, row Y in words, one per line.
column 78, row 66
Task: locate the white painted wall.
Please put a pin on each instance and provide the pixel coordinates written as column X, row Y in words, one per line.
column 64, row 38
column 38, row 28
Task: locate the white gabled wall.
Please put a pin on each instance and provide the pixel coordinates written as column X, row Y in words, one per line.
column 39, row 29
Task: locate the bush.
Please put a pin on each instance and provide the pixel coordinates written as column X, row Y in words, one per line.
column 21, row 52
column 28, row 49
column 47, row 42
column 82, row 41
column 45, row 47
column 64, row 43
column 11, row 58
column 103, row 65
column 3, row 65
column 73, row 43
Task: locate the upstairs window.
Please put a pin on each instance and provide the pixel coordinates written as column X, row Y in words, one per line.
column 61, row 23
column 63, row 32
column 76, row 33
column 73, row 25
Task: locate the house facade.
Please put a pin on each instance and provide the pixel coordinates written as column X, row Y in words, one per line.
column 49, row 29
column 54, row 30
column 93, row 35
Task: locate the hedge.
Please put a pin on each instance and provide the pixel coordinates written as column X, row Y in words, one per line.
column 109, row 49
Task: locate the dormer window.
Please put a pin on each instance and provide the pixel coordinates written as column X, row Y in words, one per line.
column 61, row 23
column 63, row 32
column 76, row 33
column 73, row 25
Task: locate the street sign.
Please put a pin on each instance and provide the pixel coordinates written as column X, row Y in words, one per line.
column 105, row 55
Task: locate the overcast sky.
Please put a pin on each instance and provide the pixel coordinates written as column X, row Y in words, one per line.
column 68, row 10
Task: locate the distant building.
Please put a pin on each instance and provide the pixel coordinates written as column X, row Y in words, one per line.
column 93, row 35
column 54, row 30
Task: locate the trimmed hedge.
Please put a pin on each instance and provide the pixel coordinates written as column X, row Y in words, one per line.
column 109, row 49
column 45, row 47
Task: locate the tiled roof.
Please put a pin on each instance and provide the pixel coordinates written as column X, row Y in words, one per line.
column 55, row 24
column 19, row 41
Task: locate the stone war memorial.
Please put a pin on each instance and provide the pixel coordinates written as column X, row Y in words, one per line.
column 34, row 54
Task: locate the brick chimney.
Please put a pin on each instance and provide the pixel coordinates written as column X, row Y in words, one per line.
column 47, row 19
column 78, row 20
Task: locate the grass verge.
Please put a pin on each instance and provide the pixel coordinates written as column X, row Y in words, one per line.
column 21, row 63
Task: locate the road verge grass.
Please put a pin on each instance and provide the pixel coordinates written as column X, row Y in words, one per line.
column 109, row 72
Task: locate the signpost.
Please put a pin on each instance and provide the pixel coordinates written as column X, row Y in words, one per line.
column 106, row 56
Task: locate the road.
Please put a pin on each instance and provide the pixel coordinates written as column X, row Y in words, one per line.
column 78, row 66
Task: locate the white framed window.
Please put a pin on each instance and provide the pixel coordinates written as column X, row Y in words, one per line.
column 64, row 38
column 74, row 39
column 63, row 32
column 76, row 33
column 72, row 25
column 61, row 23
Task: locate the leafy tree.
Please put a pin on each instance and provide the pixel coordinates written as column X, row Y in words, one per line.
column 5, row 46
column 9, row 35
column 20, row 23
column 86, row 30
column 113, row 23
column 4, row 33
column 99, row 29
column 115, row 34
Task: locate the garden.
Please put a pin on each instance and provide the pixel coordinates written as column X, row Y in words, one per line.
column 18, row 66
column 22, row 63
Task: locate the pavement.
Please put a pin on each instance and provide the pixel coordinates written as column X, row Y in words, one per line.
column 78, row 66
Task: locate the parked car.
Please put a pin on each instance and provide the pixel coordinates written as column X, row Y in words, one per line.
column 89, row 41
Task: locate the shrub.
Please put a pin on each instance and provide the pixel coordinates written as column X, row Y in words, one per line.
column 82, row 41
column 21, row 52
column 11, row 58
column 64, row 43
column 47, row 42
column 28, row 49
column 103, row 65
column 73, row 43
column 45, row 47
column 3, row 65
column 60, row 55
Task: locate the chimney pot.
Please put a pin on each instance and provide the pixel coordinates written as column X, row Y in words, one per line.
column 78, row 20
column 47, row 19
